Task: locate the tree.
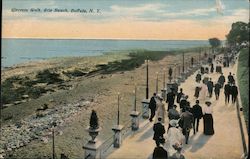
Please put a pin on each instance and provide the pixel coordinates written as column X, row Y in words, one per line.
column 214, row 42
column 239, row 33
column 93, row 123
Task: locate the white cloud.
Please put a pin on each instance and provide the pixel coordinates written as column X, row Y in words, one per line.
column 138, row 9
column 237, row 15
column 195, row 12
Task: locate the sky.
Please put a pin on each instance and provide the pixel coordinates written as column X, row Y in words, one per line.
column 122, row 19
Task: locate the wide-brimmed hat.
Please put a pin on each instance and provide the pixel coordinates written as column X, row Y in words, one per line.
column 174, row 123
column 208, row 103
column 177, row 146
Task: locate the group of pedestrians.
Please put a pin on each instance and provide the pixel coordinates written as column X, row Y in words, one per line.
column 180, row 123
column 169, row 142
column 207, row 87
column 230, row 90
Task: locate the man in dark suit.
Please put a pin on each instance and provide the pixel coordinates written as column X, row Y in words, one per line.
column 217, row 88
column 152, row 107
column 160, row 153
column 159, row 130
column 197, row 114
column 170, row 98
column 234, row 92
column 183, row 102
column 227, row 92
column 210, row 86
column 221, row 80
column 186, row 123
column 230, row 78
column 179, row 95
column 202, row 70
column 198, row 77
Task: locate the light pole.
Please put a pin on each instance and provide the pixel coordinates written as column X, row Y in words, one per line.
column 179, row 66
column 183, row 62
column 200, row 55
column 53, row 139
column 164, row 76
column 135, row 98
column 175, row 72
column 156, row 87
column 118, row 111
column 147, row 93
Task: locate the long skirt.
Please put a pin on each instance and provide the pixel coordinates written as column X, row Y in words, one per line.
column 208, row 124
column 197, row 92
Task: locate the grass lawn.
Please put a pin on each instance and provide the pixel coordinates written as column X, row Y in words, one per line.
column 243, row 81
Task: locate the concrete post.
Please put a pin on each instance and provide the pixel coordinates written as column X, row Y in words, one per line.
column 145, row 108
column 134, row 120
column 92, row 148
column 117, row 135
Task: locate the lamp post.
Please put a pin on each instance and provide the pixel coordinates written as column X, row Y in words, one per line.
column 118, row 110
column 164, row 76
column 147, row 79
column 200, row 55
column 183, row 68
column 53, row 142
column 135, row 98
column 145, row 102
column 179, row 66
column 175, row 72
column 135, row 115
column 156, row 84
column 117, row 128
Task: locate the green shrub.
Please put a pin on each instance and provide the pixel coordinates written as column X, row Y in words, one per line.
column 48, row 77
column 243, row 80
column 74, row 73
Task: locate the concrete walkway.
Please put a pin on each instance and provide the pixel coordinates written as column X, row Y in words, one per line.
column 226, row 143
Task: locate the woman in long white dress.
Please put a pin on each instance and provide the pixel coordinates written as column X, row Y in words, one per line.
column 203, row 92
column 160, row 109
column 174, row 136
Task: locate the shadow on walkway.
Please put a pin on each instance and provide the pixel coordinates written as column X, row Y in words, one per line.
column 199, row 142
column 147, row 134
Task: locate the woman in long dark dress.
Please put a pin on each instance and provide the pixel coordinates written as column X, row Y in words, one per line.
column 208, row 119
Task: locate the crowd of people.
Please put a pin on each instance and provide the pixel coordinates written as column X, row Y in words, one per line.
column 169, row 142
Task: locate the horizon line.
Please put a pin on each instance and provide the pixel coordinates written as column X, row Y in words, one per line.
column 39, row 38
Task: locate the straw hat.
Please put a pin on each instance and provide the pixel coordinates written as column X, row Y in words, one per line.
column 174, row 123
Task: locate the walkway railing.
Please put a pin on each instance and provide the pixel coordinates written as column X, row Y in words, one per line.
column 245, row 150
column 107, row 144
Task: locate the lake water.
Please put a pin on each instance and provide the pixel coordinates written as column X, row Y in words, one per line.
column 16, row 51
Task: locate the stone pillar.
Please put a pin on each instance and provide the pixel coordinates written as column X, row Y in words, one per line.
column 145, row 108
column 92, row 148
column 117, row 135
column 134, row 120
